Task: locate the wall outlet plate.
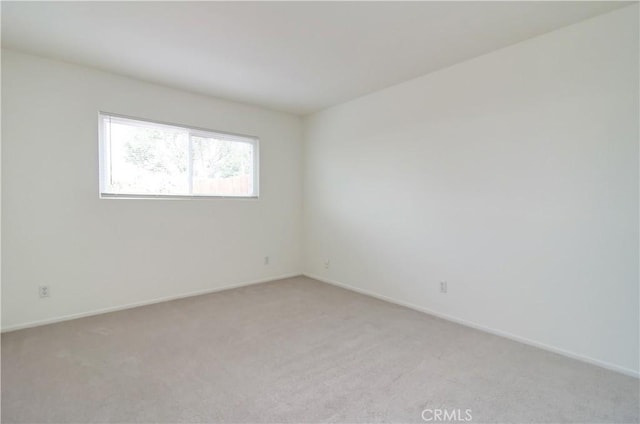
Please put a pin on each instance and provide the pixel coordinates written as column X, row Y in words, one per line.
column 44, row 291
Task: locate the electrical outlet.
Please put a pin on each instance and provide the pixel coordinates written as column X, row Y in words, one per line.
column 266, row 260
column 326, row 264
column 443, row 286
column 44, row 291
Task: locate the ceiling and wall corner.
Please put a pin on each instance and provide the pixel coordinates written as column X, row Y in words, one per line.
column 298, row 57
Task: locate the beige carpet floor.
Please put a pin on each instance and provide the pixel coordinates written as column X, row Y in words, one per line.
column 296, row 351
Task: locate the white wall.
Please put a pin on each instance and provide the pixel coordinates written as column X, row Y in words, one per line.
column 513, row 176
column 99, row 254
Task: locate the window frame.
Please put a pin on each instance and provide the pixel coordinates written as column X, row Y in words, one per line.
column 104, row 158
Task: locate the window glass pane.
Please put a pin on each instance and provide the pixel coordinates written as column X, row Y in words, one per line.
column 147, row 160
column 142, row 158
column 221, row 166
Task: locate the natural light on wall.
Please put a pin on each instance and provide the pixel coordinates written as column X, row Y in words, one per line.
column 146, row 159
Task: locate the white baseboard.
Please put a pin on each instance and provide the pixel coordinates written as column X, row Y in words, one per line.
column 481, row 327
column 141, row 303
column 466, row 323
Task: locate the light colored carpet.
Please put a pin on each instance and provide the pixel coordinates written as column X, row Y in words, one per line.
column 294, row 350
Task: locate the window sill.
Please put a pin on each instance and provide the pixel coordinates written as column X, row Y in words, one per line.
column 171, row 197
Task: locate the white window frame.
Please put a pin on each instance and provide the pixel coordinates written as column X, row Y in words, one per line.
column 104, row 158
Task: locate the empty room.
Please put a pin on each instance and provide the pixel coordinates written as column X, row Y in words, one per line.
column 320, row 212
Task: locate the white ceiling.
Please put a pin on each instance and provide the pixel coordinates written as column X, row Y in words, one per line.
column 297, row 57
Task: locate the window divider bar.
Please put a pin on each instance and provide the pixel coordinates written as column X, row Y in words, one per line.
column 190, row 164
